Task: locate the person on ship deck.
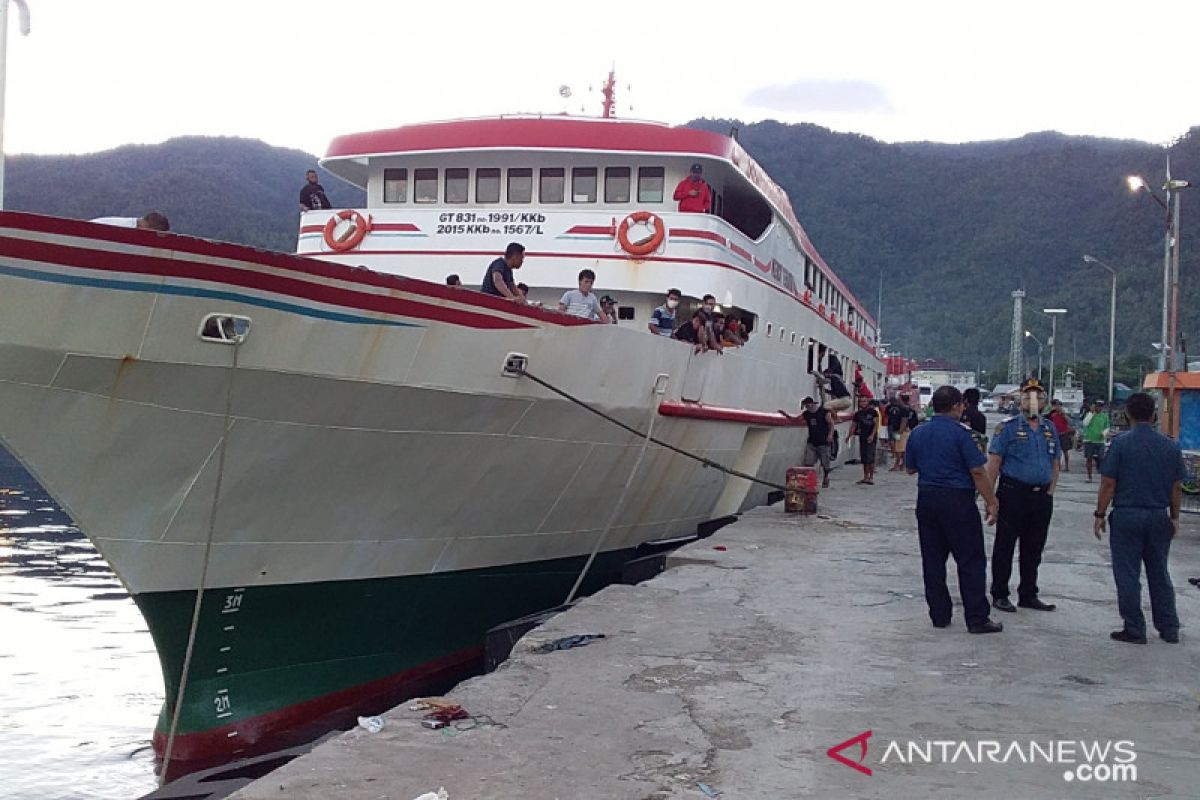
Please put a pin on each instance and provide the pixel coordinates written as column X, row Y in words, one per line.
column 693, row 193
column 498, row 280
column 312, row 195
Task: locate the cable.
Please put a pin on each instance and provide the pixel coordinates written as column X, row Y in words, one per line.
column 212, row 521
column 705, row 461
column 612, row 518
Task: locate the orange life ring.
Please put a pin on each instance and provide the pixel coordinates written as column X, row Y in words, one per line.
column 646, row 246
column 351, row 238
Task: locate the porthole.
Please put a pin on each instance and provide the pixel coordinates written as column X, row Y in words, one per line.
column 768, row 330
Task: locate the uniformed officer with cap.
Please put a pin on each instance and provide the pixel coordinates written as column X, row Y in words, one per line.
column 1024, row 456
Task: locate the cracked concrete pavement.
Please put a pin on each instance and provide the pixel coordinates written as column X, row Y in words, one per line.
column 736, row 669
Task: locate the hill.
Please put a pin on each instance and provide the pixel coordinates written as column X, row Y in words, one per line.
column 239, row 190
column 952, row 228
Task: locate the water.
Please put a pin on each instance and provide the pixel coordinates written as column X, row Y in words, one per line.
column 80, row 687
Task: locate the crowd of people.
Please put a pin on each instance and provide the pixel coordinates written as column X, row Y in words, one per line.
column 1016, row 473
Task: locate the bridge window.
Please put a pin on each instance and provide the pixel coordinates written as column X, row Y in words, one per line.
column 395, row 185
column 487, row 185
column 616, row 184
column 552, row 187
column 425, row 185
column 520, row 185
column 457, row 182
column 583, row 185
column 651, row 183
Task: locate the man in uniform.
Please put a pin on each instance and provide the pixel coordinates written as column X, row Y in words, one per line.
column 950, row 469
column 1141, row 476
column 1024, row 456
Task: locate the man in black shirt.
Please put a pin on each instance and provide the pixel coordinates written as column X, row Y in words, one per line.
column 865, row 426
column 498, row 280
column 973, row 418
column 694, row 331
column 312, row 196
column 820, row 436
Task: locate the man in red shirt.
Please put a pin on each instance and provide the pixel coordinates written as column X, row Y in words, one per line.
column 693, row 193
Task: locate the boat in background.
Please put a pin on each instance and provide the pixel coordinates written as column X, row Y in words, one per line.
column 322, row 476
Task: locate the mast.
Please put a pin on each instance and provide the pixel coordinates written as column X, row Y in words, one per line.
column 609, row 90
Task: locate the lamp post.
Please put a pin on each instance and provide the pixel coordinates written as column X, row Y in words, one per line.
column 1112, row 321
column 1029, row 335
column 1053, row 314
column 24, row 13
column 1170, row 312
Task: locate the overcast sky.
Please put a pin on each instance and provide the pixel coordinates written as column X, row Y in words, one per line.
column 94, row 75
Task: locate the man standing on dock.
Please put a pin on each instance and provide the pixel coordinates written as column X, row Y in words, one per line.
column 950, row 469
column 1142, row 476
column 1024, row 456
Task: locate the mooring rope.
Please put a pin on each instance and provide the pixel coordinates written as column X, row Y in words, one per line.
column 212, row 523
column 612, row 518
column 708, row 462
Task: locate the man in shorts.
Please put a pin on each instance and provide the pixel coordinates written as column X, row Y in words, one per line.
column 904, row 414
column 820, row 436
column 1095, row 429
column 865, row 426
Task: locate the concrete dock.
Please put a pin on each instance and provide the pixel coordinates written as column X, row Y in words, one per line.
column 762, row 647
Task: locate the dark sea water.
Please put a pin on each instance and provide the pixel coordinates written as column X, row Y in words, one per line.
column 80, row 686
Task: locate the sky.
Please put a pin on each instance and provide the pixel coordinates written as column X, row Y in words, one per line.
column 94, row 75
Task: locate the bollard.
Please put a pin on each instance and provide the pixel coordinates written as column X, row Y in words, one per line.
column 802, row 491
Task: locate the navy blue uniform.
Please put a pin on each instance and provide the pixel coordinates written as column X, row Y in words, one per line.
column 1145, row 464
column 1028, row 456
column 943, row 454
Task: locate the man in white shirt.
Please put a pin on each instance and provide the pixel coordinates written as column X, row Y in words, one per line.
column 153, row 221
column 581, row 302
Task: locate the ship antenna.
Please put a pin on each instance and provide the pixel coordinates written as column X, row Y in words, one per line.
column 609, row 90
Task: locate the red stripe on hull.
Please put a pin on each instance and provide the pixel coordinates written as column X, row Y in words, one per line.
column 606, row 230
column 305, row 721
column 306, row 269
column 375, row 226
column 688, row 233
column 674, row 408
column 774, row 419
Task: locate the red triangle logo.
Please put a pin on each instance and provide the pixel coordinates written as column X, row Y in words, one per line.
column 835, row 752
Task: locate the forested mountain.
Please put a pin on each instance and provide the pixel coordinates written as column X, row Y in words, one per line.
column 953, row 229
column 239, row 190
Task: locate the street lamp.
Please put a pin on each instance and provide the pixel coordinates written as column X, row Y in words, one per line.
column 1170, row 321
column 1029, row 335
column 24, row 19
column 1053, row 314
column 1112, row 321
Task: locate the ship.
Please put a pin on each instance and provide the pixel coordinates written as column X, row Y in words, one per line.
column 324, row 475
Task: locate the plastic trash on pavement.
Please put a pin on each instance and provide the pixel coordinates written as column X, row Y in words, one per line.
column 371, row 724
column 440, row 794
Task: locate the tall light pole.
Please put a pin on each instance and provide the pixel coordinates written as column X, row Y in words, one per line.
column 24, row 9
column 1053, row 314
column 1170, row 322
column 1029, row 335
column 1112, row 321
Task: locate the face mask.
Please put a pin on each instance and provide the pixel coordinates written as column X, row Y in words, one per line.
column 672, row 303
column 1031, row 403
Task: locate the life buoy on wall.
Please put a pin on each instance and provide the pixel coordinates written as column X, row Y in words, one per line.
column 352, row 237
column 646, row 246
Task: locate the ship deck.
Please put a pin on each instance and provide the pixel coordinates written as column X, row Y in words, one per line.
column 781, row 637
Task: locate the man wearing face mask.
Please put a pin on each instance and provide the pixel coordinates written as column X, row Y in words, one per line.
column 1024, row 456
column 662, row 320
